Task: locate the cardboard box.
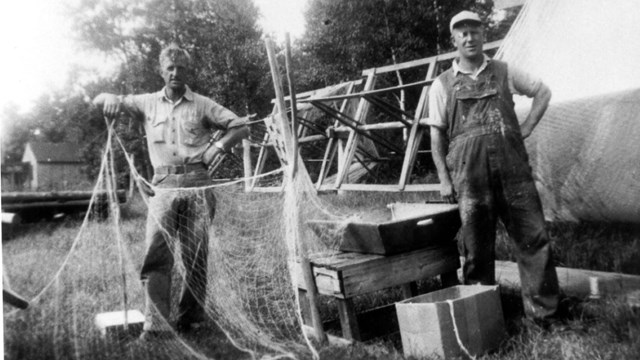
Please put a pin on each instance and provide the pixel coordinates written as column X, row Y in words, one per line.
column 461, row 321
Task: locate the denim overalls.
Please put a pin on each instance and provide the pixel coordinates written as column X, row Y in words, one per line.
column 490, row 171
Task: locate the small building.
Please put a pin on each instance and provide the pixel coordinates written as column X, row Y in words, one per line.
column 54, row 166
column 15, row 176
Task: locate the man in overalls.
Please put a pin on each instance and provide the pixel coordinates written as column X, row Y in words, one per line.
column 482, row 163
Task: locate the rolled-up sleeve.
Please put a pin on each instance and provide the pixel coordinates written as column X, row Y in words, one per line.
column 222, row 118
column 437, row 105
column 523, row 83
column 134, row 104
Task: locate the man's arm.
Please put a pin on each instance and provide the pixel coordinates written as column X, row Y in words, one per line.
column 523, row 83
column 538, row 107
column 230, row 138
column 439, row 140
column 439, row 154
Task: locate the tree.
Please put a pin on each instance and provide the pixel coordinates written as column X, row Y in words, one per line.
column 222, row 37
column 344, row 37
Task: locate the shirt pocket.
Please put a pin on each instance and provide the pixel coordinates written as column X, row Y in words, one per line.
column 158, row 129
column 193, row 131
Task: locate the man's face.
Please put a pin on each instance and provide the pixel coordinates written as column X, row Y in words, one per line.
column 468, row 39
column 175, row 73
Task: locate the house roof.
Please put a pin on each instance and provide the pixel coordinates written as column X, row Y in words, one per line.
column 55, row 152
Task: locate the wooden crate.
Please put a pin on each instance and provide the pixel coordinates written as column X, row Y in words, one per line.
column 418, row 228
column 347, row 275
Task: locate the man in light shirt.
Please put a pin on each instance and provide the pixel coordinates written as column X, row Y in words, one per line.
column 179, row 125
column 478, row 149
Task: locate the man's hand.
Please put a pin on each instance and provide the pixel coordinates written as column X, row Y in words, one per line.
column 110, row 104
column 447, row 192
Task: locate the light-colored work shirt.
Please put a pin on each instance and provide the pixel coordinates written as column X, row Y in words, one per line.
column 520, row 83
column 179, row 132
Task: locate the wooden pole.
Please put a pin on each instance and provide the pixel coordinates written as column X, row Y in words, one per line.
column 246, row 161
column 294, row 108
column 307, row 272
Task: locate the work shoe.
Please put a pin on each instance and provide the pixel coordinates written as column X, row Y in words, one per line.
column 185, row 326
column 192, row 321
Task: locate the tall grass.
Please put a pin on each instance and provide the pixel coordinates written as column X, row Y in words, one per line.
column 606, row 329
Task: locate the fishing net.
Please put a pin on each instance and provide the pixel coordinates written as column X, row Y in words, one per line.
column 253, row 240
column 584, row 152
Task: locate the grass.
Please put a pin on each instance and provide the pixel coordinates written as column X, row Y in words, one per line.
column 604, row 329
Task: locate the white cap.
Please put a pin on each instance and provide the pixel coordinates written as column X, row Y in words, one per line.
column 464, row 16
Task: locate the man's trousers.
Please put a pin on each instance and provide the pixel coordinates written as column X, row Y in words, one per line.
column 177, row 224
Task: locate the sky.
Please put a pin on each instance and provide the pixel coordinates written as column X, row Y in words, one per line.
column 38, row 49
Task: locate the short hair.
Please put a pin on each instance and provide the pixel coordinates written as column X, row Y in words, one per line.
column 174, row 52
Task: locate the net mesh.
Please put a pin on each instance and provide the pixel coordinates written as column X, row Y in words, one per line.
column 584, row 151
column 253, row 240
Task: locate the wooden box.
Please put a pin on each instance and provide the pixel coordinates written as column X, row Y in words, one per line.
column 427, row 225
column 456, row 322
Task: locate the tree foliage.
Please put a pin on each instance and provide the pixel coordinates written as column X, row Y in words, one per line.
column 344, row 37
column 221, row 35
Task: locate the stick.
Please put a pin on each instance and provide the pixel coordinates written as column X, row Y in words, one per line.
column 312, row 291
column 14, row 299
column 294, row 110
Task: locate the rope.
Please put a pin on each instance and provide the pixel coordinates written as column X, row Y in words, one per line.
column 457, row 332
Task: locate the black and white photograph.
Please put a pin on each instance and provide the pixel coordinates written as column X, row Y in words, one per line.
column 320, row 179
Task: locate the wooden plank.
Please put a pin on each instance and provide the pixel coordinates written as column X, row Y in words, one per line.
column 368, row 92
column 384, row 187
column 574, row 282
column 54, row 196
column 329, row 270
column 421, row 62
column 393, row 270
column 379, row 126
column 333, row 144
column 260, row 163
column 415, row 135
column 305, row 307
column 71, row 204
column 348, row 319
column 246, row 164
column 310, row 93
column 352, row 142
column 328, row 281
column 268, row 189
